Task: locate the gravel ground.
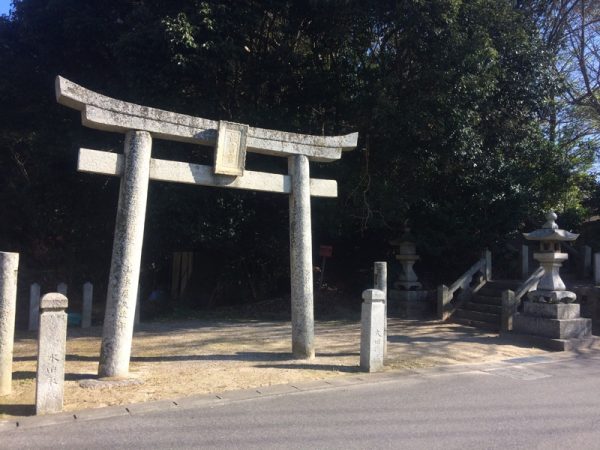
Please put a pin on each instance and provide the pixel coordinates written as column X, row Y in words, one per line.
column 174, row 359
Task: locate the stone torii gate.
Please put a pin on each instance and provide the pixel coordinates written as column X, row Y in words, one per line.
column 231, row 141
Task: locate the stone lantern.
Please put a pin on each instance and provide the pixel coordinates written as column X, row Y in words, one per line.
column 549, row 318
column 551, row 288
column 407, row 256
column 408, row 299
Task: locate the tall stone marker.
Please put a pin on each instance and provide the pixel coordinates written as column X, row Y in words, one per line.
column 372, row 330
column 136, row 167
column 9, row 267
column 34, row 306
column 52, row 340
column 86, row 310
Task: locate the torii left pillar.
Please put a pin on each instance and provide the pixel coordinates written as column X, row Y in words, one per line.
column 126, row 257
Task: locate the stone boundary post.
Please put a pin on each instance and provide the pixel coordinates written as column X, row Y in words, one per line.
column 509, row 310
column 372, row 330
column 9, row 269
column 123, row 280
column 86, row 310
column 380, row 283
column 303, row 323
column 34, row 306
column 52, row 340
column 443, row 300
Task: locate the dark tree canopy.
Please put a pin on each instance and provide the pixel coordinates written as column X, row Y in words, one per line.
column 450, row 98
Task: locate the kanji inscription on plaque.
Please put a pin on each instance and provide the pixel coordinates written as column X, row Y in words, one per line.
column 230, row 152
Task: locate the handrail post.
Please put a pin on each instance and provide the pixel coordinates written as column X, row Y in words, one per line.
column 488, row 265
column 524, row 261
column 509, row 309
column 443, row 299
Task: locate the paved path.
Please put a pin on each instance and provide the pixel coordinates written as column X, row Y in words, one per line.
column 537, row 402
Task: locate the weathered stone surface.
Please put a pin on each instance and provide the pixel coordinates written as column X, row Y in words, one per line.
column 105, row 113
column 109, row 384
column 106, row 163
column 380, row 283
column 9, row 266
column 553, row 328
column 34, row 307
column 53, row 300
column 230, row 151
column 509, row 310
column 373, row 295
column 86, row 310
column 52, row 339
column 127, row 251
column 552, row 310
column 301, row 259
column 372, row 331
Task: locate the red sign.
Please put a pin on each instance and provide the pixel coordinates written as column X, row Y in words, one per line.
column 326, row 251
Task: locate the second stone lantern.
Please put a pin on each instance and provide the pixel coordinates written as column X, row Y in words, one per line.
column 551, row 288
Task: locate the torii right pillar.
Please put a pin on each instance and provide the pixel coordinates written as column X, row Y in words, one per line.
column 303, row 323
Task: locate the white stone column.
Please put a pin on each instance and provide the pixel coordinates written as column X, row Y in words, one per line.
column 34, row 306
column 301, row 259
column 52, row 342
column 86, row 310
column 372, row 330
column 380, row 283
column 9, row 267
column 126, row 258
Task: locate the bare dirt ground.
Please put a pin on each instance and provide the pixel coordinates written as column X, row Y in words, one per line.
column 175, row 359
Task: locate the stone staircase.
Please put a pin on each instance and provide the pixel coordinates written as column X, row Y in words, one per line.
column 483, row 309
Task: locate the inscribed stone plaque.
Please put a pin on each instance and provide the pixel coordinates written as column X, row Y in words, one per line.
column 230, row 153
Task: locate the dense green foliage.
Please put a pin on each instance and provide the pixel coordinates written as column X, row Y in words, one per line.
column 450, row 98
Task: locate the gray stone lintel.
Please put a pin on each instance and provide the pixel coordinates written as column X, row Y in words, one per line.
column 53, row 301
column 373, row 295
column 105, row 113
column 94, row 161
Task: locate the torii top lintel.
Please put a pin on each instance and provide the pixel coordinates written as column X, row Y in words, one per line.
column 109, row 114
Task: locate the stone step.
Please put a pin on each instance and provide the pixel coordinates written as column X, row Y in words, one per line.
column 486, row 299
column 495, row 288
column 476, row 324
column 477, row 316
column 483, row 307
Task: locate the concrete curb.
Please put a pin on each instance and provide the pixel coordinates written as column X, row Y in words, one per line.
column 341, row 382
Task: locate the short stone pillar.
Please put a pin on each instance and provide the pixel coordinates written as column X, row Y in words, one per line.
column 34, row 307
column 9, row 267
column 372, row 330
column 509, row 310
column 52, row 340
column 380, row 283
column 86, row 310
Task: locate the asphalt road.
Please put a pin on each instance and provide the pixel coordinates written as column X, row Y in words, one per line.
column 540, row 402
